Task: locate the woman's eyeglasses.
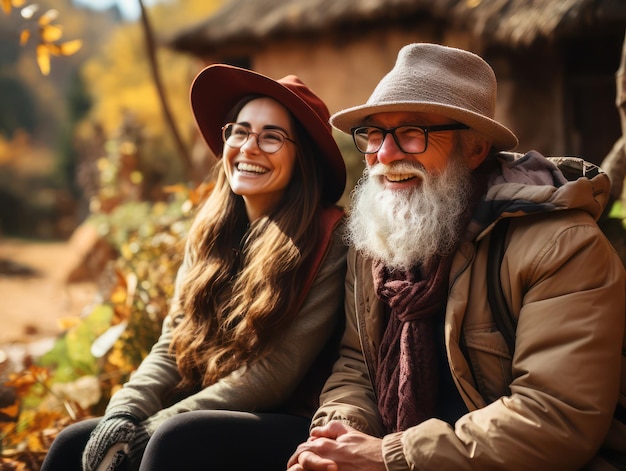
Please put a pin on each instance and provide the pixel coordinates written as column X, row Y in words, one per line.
column 269, row 140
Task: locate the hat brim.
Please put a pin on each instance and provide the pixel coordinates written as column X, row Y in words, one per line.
column 501, row 137
column 219, row 87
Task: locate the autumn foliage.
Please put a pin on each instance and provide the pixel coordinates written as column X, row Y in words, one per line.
column 46, row 32
column 98, row 351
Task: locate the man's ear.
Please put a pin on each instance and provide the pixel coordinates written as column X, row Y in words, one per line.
column 478, row 153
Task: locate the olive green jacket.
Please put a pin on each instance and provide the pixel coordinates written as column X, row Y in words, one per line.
column 266, row 385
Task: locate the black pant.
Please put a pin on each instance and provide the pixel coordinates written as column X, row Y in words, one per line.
column 199, row 440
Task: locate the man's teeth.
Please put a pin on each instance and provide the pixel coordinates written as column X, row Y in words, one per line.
column 243, row 167
column 399, row 177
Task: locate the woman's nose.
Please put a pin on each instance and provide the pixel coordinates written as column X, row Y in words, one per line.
column 251, row 144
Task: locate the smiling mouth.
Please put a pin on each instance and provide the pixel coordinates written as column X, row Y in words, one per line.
column 250, row 168
column 400, row 177
column 398, row 172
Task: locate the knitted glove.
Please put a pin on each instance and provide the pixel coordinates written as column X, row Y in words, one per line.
column 107, row 447
column 137, row 446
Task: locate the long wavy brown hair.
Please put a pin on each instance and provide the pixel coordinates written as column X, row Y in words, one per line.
column 239, row 293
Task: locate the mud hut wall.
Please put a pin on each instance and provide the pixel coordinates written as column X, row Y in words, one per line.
column 531, row 98
column 344, row 73
column 344, row 70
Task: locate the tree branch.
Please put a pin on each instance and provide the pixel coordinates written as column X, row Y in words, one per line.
column 152, row 59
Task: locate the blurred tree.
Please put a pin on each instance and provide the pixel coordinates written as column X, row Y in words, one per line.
column 18, row 107
column 116, row 80
column 120, row 82
column 78, row 104
column 151, row 51
column 34, row 162
column 20, row 62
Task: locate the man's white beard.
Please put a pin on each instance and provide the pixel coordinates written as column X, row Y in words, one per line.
column 406, row 227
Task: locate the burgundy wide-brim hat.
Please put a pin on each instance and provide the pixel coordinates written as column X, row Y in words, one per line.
column 219, row 87
column 431, row 78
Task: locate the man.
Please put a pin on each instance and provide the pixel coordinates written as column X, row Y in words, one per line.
column 425, row 379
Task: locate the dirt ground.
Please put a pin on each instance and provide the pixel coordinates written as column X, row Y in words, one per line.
column 34, row 296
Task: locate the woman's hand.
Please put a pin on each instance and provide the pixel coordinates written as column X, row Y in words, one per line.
column 116, row 443
column 106, row 448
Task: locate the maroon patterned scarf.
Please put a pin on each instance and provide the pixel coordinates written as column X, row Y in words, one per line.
column 407, row 377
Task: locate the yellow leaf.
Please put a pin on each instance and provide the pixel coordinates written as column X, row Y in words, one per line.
column 121, row 278
column 66, row 323
column 70, row 47
column 24, row 36
column 126, row 251
column 50, row 33
column 53, row 49
column 201, row 192
column 118, row 296
column 136, row 177
column 116, row 358
column 121, row 313
column 29, row 430
column 25, row 379
column 12, row 411
column 34, row 443
column 43, row 59
column 22, row 382
column 48, row 17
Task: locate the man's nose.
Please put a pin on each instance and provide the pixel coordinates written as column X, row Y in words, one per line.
column 389, row 151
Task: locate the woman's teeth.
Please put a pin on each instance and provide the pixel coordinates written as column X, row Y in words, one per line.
column 243, row 167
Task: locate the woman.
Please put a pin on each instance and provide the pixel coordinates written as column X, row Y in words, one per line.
column 258, row 296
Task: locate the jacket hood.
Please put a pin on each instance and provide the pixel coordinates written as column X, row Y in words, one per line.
column 530, row 183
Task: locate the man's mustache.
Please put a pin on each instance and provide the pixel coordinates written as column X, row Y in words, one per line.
column 379, row 169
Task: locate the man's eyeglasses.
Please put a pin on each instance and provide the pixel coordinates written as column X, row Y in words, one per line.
column 409, row 139
column 269, row 140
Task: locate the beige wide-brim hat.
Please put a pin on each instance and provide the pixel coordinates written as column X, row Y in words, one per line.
column 431, row 78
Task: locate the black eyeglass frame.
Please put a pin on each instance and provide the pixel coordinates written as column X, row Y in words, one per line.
column 425, row 129
column 256, row 136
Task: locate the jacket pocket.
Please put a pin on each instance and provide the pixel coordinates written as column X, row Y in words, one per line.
column 490, row 361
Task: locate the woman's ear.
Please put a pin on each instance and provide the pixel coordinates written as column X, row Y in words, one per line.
column 479, row 150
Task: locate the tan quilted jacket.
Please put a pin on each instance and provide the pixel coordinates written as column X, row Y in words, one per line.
column 565, row 283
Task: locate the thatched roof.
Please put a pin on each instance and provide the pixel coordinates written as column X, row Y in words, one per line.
column 508, row 22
